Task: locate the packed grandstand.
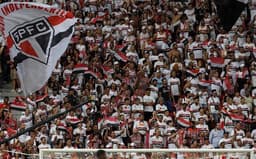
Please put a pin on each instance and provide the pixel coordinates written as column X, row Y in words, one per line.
column 152, row 74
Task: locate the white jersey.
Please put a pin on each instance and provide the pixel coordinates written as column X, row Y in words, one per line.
column 27, row 120
column 156, row 142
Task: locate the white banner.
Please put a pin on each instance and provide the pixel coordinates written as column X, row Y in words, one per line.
column 36, row 35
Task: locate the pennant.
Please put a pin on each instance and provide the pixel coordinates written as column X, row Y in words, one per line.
column 37, row 35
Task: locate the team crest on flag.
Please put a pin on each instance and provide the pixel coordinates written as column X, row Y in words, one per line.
column 33, row 39
column 36, row 35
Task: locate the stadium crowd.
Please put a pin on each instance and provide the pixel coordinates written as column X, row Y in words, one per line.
column 153, row 74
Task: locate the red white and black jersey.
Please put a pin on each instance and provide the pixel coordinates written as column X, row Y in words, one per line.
column 156, row 142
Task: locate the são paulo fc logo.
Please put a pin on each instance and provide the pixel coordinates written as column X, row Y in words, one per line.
column 33, row 39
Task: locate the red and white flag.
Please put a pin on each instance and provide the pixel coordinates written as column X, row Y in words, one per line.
column 73, row 120
column 183, row 122
column 37, row 35
column 204, row 83
column 217, row 62
column 107, row 70
column 18, row 104
column 93, row 74
column 236, row 117
column 111, row 121
column 121, row 56
column 41, row 98
column 193, row 72
column 80, row 68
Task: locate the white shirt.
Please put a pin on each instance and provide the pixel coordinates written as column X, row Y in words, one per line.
column 137, row 107
column 27, row 120
column 202, row 127
column 183, row 114
column 44, row 146
column 78, row 131
column 141, row 126
column 239, row 133
column 148, row 99
column 156, row 142
column 161, row 108
column 227, row 141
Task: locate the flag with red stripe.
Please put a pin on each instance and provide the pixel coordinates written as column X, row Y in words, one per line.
column 183, row 122
column 74, row 120
column 41, row 98
column 193, row 72
column 37, row 35
column 204, row 83
column 121, row 56
column 236, row 117
column 107, row 70
column 111, row 121
column 80, row 68
column 93, row 74
column 18, row 105
column 217, row 62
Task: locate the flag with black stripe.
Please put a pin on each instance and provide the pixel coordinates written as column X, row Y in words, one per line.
column 37, row 35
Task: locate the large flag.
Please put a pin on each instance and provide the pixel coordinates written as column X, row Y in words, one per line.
column 230, row 10
column 37, row 35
